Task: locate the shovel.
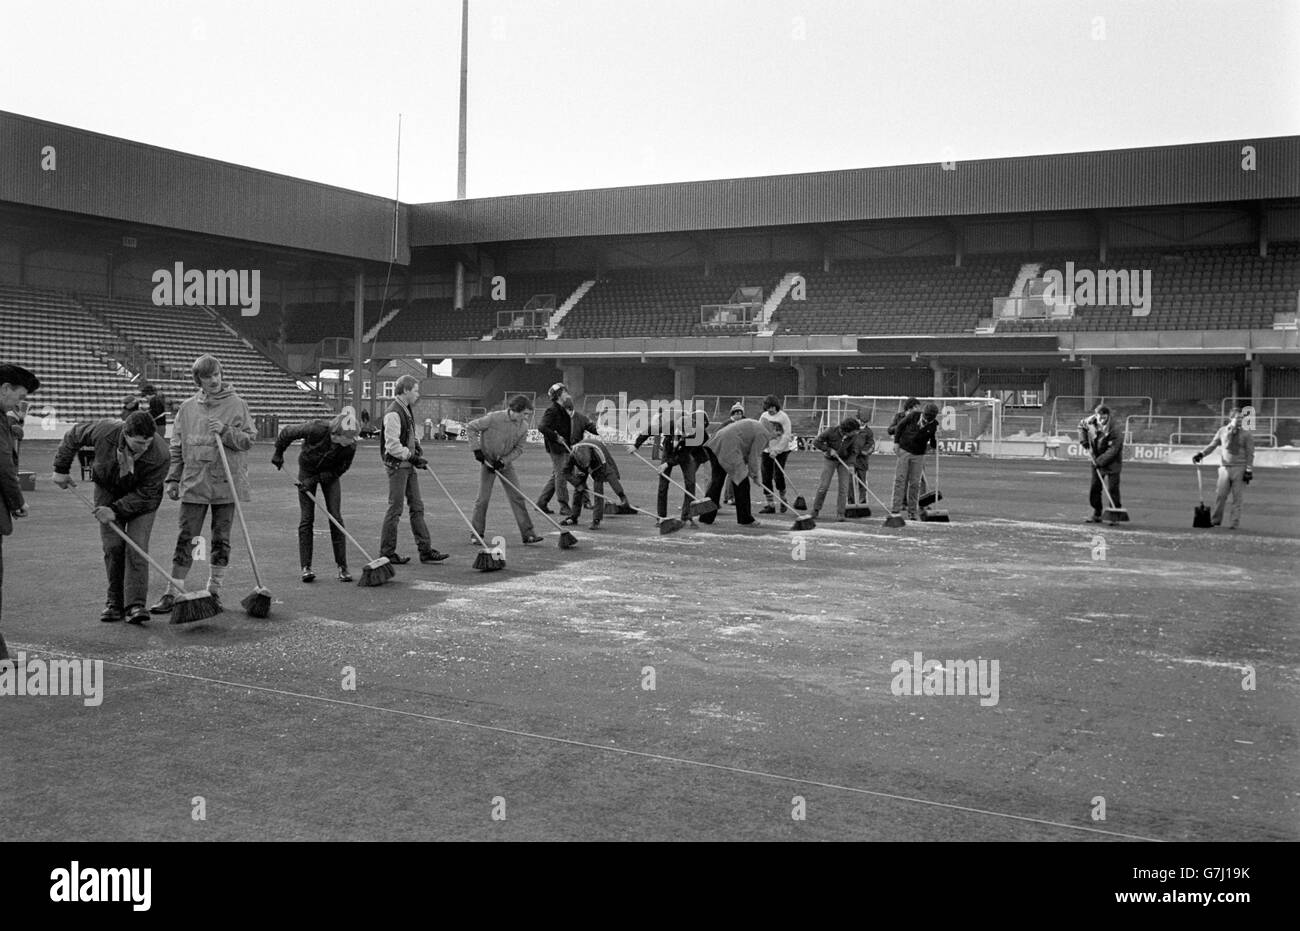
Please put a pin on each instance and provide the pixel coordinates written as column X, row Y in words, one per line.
column 1201, row 515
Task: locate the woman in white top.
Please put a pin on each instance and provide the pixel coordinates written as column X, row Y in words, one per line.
column 777, row 451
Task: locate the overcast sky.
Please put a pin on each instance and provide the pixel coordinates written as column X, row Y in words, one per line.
column 567, row 94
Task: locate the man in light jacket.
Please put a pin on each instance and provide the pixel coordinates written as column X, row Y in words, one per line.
column 215, row 413
column 497, row 440
column 738, row 450
column 776, row 453
column 1236, row 462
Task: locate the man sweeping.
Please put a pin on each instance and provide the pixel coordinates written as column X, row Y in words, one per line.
column 1235, row 465
column 836, row 446
column 591, row 458
column 556, row 424
column 197, row 477
column 328, row 448
column 1105, row 446
column 15, row 384
column 863, row 445
column 682, row 438
column 776, row 454
column 738, row 451
column 399, row 447
column 497, row 440
column 914, row 432
column 130, row 465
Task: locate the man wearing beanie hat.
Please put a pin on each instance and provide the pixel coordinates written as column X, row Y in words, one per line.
column 729, row 487
column 556, row 427
column 15, row 384
column 328, row 448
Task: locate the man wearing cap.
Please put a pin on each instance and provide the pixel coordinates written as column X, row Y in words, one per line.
column 15, row 384
column 729, row 487
column 914, row 434
column 556, row 425
column 1236, row 462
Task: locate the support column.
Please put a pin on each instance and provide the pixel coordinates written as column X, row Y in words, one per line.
column 807, row 372
column 459, row 301
column 939, row 371
column 1257, row 384
column 358, row 331
column 1089, row 385
column 574, row 376
column 683, row 381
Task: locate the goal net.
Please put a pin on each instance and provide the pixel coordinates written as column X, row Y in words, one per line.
column 963, row 422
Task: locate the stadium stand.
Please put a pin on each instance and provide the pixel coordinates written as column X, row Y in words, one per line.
column 174, row 336
column 52, row 335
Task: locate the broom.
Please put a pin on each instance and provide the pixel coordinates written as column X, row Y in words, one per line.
column 567, row 540
column 376, row 571
column 1201, row 516
column 257, row 603
column 619, row 508
column 488, row 560
column 803, row 521
column 855, row 510
column 928, row 515
column 667, row 525
column 1113, row 514
column 698, row 506
column 187, row 607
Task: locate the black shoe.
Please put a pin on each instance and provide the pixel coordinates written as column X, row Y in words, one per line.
column 434, row 556
column 395, row 559
column 533, row 538
column 308, row 575
column 111, row 614
column 595, row 526
column 750, row 523
column 137, row 614
column 344, row 575
column 569, row 522
column 566, row 512
column 783, row 507
column 164, row 605
column 545, row 509
column 767, row 510
column 1094, row 519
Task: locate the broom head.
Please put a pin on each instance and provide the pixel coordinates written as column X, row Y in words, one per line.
column 857, row 510
column 623, row 509
column 804, row 523
column 1115, row 515
column 487, row 561
column 567, row 540
column 376, row 573
column 928, row 499
column 257, row 603
column 800, row 504
column 702, row 507
column 189, row 607
column 670, row 525
column 936, row 517
column 895, row 520
column 1201, row 516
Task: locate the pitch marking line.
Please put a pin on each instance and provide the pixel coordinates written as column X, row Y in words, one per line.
column 643, row 754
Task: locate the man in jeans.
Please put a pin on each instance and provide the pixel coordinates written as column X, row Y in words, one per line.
column 497, row 440
column 400, row 449
column 556, row 424
column 1235, row 472
column 914, row 433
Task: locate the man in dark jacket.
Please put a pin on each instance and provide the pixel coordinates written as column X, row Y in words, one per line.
column 328, row 447
column 863, row 445
column 682, row 437
column 1105, row 446
column 590, row 457
column 131, row 463
column 556, row 424
column 914, row 433
column 836, row 445
column 147, row 400
column 15, row 384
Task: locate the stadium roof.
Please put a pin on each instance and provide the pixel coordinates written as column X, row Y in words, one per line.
column 1209, row 172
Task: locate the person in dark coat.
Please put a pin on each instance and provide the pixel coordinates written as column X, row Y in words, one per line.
column 836, row 445
column 1105, row 445
column 131, row 462
column 150, row 401
column 737, row 454
column 590, row 457
column 15, row 384
column 863, row 445
column 556, row 426
column 914, row 432
column 682, row 438
column 328, row 447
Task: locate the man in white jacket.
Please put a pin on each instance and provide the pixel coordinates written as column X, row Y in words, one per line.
column 1236, row 463
column 776, row 453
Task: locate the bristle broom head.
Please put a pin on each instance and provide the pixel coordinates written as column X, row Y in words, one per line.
column 193, row 606
column 857, row 510
column 805, row 523
column 800, row 504
column 376, row 573
column 670, row 525
column 568, row 541
column 1118, row 515
column 700, row 508
column 935, row 517
column 895, row 520
column 624, row 509
column 485, row 561
column 257, row 603
column 929, row 499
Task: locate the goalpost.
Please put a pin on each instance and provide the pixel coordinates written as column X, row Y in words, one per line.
column 963, row 422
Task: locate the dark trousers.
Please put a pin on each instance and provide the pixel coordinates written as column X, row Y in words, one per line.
column 1095, row 497
column 688, row 469
column 404, row 486
column 333, row 492
column 4, row 651
column 743, row 513
column 555, row 485
column 598, row 478
column 128, row 571
column 774, row 478
column 858, row 490
column 191, row 518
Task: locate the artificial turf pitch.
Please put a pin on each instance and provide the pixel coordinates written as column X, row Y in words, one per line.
column 524, row 693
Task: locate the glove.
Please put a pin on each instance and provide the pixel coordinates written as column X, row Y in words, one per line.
column 419, row 462
column 173, row 491
column 1197, row 458
column 278, row 461
column 496, row 465
column 478, row 454
column 64, row 481
column 105, row 515
column 1247, row 476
